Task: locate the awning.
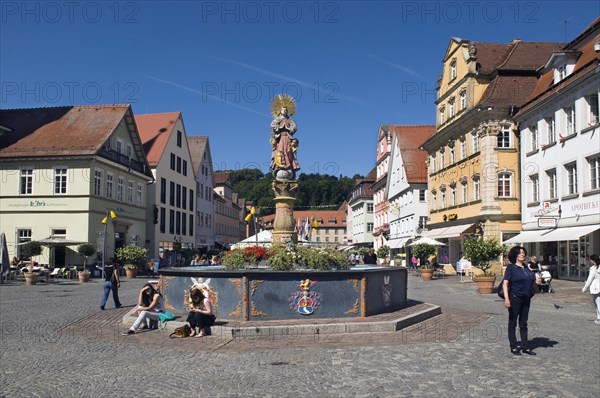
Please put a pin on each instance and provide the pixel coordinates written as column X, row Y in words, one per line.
column 538, row 235
column 448, row 232
column 571, row 233
column 552, row 235
column 397, row 243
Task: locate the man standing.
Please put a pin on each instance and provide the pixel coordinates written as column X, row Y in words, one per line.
column 370, row 258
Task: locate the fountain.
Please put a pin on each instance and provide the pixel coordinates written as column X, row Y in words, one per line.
column 265, row 294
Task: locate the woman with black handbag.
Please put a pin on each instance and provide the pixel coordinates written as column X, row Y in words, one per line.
column 518, row 291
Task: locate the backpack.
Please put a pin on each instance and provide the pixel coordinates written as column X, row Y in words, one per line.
column 181, row 332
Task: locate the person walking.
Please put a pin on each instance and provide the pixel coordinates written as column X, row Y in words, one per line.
column 518, row 291
column 111, row 283
column 593, row 283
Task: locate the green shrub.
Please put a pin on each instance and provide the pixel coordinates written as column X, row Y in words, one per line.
column 233, row 259
column 423, row 251
column 131, row 255
column 283, row 258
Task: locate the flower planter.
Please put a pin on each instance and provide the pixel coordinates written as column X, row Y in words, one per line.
column 31, row 278
column 485, row 284
column 84, row 276
column 426, row 274
column 131, row 273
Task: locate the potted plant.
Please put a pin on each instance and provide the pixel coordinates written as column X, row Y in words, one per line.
column 234, row 259
column 85, row 250
column 481, row 252
column 132, row 256
column 423, row 251
column 28, row 250
column 382, row 254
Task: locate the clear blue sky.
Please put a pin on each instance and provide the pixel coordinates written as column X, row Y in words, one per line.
column 352, row 65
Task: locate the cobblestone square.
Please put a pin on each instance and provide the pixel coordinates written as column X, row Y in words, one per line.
column 55, row 341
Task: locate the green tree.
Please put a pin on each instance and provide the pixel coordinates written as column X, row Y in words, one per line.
column 481, row 252
column 423, row 251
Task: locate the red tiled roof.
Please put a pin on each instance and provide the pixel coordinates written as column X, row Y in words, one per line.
column 197, row 147
column 221, row 177
column 155, row 130
column 508, row 90
column 529, row 55
column 410, row 139
column 58, row 131
column 587, row 62
column 490, row 55
column 325, row 215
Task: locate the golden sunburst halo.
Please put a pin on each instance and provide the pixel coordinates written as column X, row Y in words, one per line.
column 283, row 101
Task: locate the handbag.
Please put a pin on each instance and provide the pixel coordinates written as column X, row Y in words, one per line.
column 500, row 290
column 166, row 316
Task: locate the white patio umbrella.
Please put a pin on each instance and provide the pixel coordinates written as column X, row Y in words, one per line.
column 53, row 242
column 427, row 241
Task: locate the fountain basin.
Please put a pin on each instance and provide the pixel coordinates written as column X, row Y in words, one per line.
column 263, row 294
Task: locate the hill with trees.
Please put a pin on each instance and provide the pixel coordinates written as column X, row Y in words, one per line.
column 314, row 190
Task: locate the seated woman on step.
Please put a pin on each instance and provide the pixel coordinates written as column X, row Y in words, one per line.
column 201, row 316
column 150, row 305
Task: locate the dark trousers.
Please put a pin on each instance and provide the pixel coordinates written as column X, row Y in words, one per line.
column 201, row 321
column 519, row 310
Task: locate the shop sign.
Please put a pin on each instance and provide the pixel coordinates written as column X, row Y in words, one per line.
column 547, row 222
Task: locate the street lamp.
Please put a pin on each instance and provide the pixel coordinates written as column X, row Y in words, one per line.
column 109, row 214
column 251, row 215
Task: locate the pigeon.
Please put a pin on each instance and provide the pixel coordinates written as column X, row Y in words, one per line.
column 557, row 306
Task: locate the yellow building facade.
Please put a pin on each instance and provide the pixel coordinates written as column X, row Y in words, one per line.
column 473, row 160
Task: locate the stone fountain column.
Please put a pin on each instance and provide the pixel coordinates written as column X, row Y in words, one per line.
column 284, row 224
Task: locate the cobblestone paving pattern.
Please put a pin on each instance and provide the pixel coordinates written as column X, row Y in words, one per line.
column 55, row 342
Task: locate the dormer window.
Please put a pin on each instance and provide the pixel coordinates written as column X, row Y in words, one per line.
column 561, row 72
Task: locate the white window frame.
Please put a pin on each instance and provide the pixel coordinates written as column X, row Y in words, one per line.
column 535, row 187
column 504, row 137
column 463, row 149
column 442, row 115
column 26, row 181
column 452, row 156
column 571, row 180
column 462, row 100
column 476, row 189
column 139, row 195
column 593, row 109
column 552, row 188
column 120, row 189
column 570, row 120
column 452, row 196
column 444, row 200
column 119, row 148
column 504, row 185
column 453, row 69
column 475, row 142
column 61, row 176
column 110, row 182
column 465, row 192
column 98, row 173
column 442, row 160
column 130, row 191
column 594, row 172
column 550, row 129
column 533, row 131
column 451, row 107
